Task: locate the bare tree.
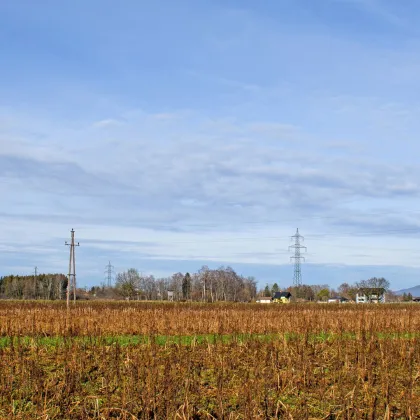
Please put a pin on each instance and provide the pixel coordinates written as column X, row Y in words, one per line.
column 128, row 283
column 162, row 287
column 176, row 285
column 348, row 291
column 221, row 284
column 374, row 283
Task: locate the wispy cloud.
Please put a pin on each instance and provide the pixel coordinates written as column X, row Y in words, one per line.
column 292, row 114
column 379, row 9
column 106, row 123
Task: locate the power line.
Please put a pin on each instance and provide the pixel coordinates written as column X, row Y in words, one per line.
column 72, row 269
column 297, row 258
column 313, row 237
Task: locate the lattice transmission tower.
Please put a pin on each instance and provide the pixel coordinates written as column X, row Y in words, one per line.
column 109, row 274
column 72, row 269
column 297, row 258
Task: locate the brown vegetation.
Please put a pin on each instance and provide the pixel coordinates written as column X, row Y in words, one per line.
column 308, row 361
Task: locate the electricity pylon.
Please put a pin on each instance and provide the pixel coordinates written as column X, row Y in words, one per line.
column 297, row 258
column 109, row 274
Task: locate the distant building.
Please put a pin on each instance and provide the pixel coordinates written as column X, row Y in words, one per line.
column 416, row 299
column 370, row 295
column 282, row 297
column 338, row 299
column 264, row 299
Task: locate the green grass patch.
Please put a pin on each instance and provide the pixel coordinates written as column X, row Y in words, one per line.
column 186, row 340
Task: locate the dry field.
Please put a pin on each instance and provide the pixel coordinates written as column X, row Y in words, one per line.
column 204, row 361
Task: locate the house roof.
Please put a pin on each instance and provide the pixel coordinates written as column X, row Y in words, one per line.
column 279, row 295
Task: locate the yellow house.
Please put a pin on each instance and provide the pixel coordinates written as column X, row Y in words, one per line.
column 282, row 297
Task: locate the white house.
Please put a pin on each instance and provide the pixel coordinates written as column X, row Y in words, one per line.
column 370, row 295
column 264, row 299
column 337, row 299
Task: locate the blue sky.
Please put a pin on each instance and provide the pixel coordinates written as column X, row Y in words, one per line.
column 172, row 134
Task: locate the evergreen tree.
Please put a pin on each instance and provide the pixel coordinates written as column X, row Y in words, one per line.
column 275, row 288
column 267, row 292
column 186, row 286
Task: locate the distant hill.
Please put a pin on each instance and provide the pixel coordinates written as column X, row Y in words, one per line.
column 415, row 291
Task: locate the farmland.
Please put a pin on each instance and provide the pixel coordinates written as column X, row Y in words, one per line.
column 183, row 360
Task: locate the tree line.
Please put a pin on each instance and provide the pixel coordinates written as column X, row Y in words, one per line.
column 42, row 286
column 206, row 285
column 322, row 292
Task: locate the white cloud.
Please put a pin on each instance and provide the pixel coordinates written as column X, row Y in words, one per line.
column 106, row 123
column 183, row 192
column 279, row 125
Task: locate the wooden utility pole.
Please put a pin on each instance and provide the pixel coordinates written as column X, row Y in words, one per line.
column 72, row 269
column 35, row 280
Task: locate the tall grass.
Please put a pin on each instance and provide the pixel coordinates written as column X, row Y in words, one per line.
column 317, row 361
